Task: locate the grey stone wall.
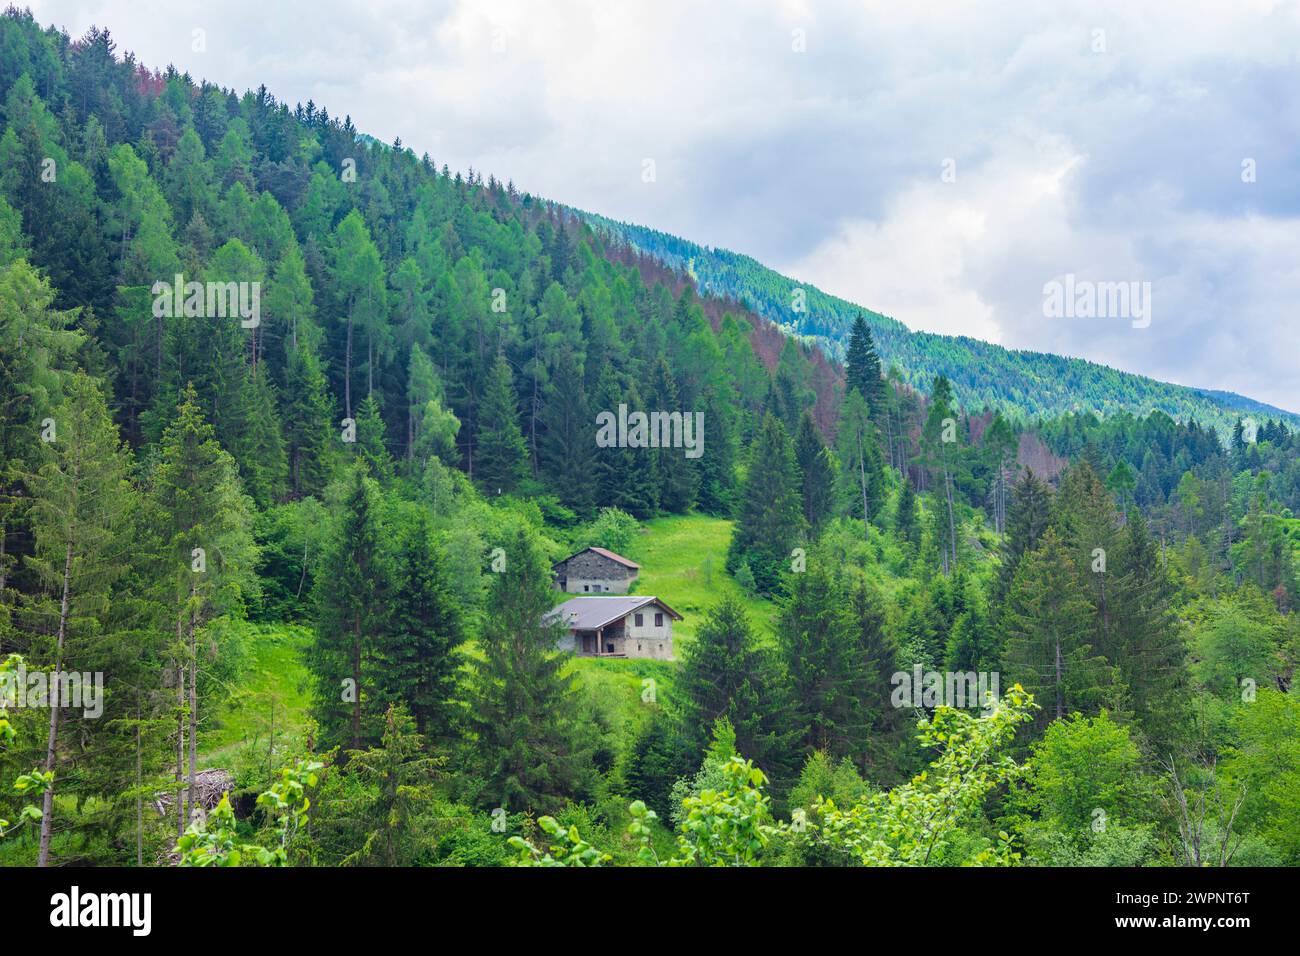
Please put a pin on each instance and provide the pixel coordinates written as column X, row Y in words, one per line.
column 600, row 574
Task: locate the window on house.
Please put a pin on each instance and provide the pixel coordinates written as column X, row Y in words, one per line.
column 639, row 620
column 659, row 620
column 609, row 648
column 586, row 587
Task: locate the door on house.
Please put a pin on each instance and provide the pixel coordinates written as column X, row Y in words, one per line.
column 588, row 643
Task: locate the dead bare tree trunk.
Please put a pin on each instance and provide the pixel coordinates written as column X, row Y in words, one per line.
column 1060, row 692
column 139, row 791
column 180, row 732
column 52, row 740
column 1191, row 822
column 194, row 701
column 356, row 682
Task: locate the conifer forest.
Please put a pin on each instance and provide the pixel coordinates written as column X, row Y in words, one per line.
column 359, row 510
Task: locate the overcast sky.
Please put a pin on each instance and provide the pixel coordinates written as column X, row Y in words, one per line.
column 1091, row 138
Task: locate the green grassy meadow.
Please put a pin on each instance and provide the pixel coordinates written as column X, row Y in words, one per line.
column 683, row 562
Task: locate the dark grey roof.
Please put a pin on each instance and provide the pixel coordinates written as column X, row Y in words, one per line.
column 589, row 613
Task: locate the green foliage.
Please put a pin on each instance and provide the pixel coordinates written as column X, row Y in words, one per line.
column 567, row 848
column 726, row 827
column 500, row 455
column 402, row 775
column 916, row 821
column 28, row 784
column 213, row 841
column 1050, row 625
column 1265, row 761
column 612, row 529
column 1084, row 776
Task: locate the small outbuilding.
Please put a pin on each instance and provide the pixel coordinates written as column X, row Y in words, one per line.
column 595, row 571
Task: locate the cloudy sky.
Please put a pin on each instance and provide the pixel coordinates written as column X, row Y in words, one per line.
column 1117, row 144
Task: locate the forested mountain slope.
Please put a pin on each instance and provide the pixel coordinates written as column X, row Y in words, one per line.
column 1021, row 383
column 280, row 403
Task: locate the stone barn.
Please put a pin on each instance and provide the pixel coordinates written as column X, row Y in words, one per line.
column 617, row 627
column 595, row 571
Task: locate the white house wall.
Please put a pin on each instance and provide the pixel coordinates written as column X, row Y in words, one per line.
column 656, row 642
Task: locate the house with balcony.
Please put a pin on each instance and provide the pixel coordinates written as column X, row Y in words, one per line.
column 617, row 626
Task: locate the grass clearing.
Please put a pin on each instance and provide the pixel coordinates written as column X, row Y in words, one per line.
column 683, row 561
column 275, row 684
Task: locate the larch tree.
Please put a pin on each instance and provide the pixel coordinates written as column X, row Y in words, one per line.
column 940, row 440
column 360, row 272
column 858, row 450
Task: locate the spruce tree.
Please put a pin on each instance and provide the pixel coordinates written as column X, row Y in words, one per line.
column 501, row 458
column 205, row 555
column 678, row 479
column 887, row 726
column 259, row 446
column 351, row 591
column 371, row 445
column 423, row 627
column 825, row 667
column 727, row 673
column 818, row 470
column 625, row 477
column 1148, row 647
column 568, row 443
column 396, row 786
column 862, row 367
column 770, row 524
column 523, row 706
column 972, row 642
column 1088, row 524
column 717, row 466
column 1030, row 514
column 1049, row 628
column 305, row 410
column 37, row 349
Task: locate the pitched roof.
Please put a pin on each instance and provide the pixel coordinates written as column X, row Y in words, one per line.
column 604, row 554
column 590, row 613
